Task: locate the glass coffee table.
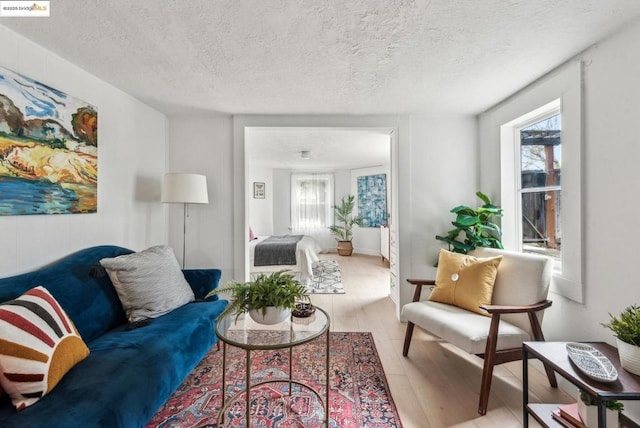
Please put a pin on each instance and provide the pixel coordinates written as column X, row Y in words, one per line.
column 251, row 336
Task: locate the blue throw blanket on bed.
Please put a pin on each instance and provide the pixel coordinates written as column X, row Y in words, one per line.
column 276, row 250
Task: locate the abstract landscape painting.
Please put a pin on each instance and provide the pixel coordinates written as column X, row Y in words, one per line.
column 48, row 149
column 372, row 199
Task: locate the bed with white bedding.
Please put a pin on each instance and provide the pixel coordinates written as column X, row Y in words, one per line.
column 307, row 250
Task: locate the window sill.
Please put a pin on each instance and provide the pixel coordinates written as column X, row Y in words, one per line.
column 566, row 288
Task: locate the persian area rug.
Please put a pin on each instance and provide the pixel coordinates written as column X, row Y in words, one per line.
column 359, row 394
column 327, row 278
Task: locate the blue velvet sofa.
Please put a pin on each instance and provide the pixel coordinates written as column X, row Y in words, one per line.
column 130, row 373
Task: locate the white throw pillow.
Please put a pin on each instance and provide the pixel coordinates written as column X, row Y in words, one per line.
column 149, row 283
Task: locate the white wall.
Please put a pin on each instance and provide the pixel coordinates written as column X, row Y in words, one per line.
column 611, row 150
column 131, row 162
column 444, row 174
column 610, row 154
column 281, row 201
column 202, row 144
column 261, row 210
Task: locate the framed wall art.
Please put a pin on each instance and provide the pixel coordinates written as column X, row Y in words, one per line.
column 372, row 199
column 258, row 190
column 48, row 149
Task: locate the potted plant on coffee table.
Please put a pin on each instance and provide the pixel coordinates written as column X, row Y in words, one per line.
column 268, row 299
column 626, row 328
column 344, row 231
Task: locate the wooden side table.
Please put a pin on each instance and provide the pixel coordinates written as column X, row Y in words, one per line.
column 626, row 387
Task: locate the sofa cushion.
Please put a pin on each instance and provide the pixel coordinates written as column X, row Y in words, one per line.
column 149, row 283
column 465, row 281
column 129, row 373
column 462, row 328
column 523, row 279
column 38, row 346
column 86, row 295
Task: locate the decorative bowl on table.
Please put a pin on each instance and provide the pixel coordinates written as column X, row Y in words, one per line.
column 591, row 362
column 303, row 310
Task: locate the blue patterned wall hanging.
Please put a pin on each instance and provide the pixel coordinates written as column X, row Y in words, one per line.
column 372, row 199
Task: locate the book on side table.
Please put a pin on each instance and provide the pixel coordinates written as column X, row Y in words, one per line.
column 568, row 416
column 562, row 421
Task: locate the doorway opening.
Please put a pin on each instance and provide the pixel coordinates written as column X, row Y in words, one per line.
column 276, row 156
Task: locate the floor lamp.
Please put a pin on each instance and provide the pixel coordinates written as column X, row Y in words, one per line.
column 178, row 188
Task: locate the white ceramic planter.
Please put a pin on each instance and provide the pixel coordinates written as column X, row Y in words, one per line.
column 589, row 415
column 272, row 315
column 629, row 356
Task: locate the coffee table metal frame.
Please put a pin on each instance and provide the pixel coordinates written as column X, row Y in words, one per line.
column 248, row 347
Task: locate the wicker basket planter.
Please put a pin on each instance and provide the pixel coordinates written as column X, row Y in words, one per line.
column 345, row 248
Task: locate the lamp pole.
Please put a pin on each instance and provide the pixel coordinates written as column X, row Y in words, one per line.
column 184, row 235
column 184, row 189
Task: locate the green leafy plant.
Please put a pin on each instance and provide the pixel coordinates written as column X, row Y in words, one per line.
column 476, row 226
column 626, row 326
column 278, row 289
column 344, row 215
column 591, row 401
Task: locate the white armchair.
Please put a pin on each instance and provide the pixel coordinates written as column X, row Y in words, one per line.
column 518, row 303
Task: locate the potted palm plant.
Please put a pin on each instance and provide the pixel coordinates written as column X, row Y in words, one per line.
column 344, row 230
column 268, row 299
column 626, row 328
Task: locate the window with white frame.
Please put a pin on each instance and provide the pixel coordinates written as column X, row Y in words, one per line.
column 539, row 151
column 311, row 199
column 540, row 163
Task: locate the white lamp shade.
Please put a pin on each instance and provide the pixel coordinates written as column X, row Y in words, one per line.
column 184, row 188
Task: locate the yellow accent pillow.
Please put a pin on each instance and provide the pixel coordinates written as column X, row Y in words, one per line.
column 465, row 281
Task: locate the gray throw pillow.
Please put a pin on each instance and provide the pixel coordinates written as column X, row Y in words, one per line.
column 149, row 283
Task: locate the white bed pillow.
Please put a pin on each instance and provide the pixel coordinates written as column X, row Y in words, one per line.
column 149, row 283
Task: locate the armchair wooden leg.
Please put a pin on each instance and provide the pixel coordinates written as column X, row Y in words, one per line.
column 551, row 375
column 407, row 338
column 489, row 362
column 539, row 337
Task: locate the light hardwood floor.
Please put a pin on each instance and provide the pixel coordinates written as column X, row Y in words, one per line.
column 437, row 385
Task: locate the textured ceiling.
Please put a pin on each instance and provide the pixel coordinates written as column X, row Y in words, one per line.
column 322, row 56
column 329, row 148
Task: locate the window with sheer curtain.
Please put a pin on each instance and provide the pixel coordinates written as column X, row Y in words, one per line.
column 311, row 198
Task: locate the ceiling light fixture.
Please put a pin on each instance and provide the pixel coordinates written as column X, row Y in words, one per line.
column 305, row 154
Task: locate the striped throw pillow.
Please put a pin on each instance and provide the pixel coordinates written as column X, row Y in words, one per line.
column 38, row 345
